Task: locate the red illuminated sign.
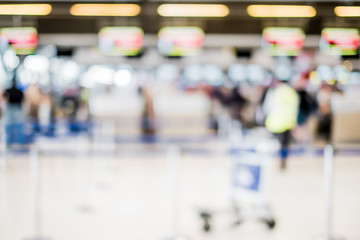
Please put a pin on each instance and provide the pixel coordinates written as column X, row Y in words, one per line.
column 278, row 41
column 23, row 40
column 124, row 41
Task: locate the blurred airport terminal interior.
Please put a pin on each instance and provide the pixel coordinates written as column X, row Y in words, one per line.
column 164, row 119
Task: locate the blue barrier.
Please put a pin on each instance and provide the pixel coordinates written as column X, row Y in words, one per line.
column 25, row 133
column 67, row 128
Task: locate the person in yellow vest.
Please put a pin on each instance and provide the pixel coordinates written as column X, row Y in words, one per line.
column 281, row 108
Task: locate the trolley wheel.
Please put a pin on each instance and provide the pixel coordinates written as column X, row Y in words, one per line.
column 206, row 227
column 238, row 222
column 206, row 217
column 270, row 223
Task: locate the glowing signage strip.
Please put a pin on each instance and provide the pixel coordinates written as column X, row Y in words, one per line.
column 25, row 9
column 347, row 11
column 127, row 10
column 281, row 11
column 193, row 10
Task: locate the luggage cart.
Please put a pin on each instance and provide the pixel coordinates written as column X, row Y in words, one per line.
column 249, row 177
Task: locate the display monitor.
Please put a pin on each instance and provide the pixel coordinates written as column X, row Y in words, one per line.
column 256, row 74
column 325, row 72
column 213, row 75
column 341, row 74
column 3, row 78
column 121, row 41
column 180, row 41
column 193, row 74
column 237, row 72
column 339, row 41
column 167, row 72
column 281, row 41
column 283, row 70
column 354, row 77
column 23, row 40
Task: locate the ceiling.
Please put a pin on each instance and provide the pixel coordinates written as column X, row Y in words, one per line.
column 237, row 22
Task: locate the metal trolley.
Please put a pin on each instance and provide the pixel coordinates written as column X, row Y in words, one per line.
column 249, row 179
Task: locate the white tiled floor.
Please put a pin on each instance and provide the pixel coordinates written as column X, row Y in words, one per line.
column 129, row 198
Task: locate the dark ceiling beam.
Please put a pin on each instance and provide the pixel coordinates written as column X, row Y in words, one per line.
column 238, row 21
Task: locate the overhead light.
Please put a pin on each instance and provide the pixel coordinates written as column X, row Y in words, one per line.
column 281, row 11
column 346, row 11
column 127, row 10
column 193, row 10
column 25, row 9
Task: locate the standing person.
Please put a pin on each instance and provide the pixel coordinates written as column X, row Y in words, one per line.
column 54, row 100
column 34, row 97
column 281, row 107
column 324, row 96
column 148, row 115
column 14, row 114
column 307, row 106
column 237, row 104
column 70, row 105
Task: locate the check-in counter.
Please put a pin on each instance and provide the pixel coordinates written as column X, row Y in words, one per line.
column 346, row 117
